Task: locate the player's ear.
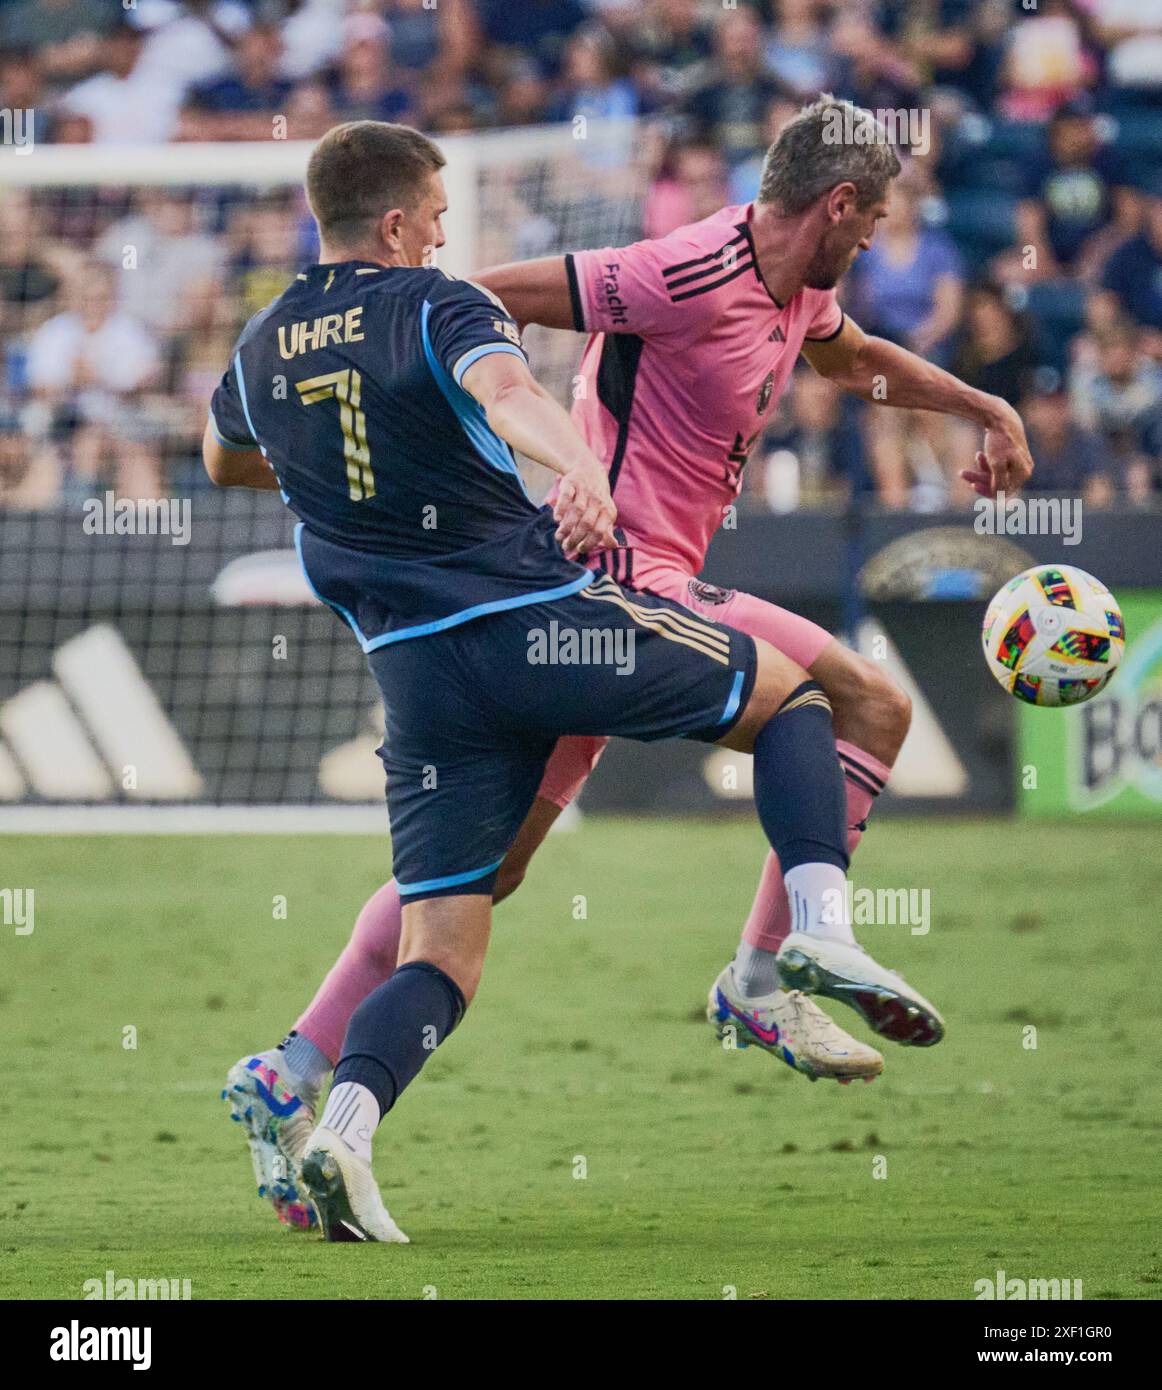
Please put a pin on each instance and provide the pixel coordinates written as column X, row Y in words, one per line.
column 842, row 198
column 391, row 229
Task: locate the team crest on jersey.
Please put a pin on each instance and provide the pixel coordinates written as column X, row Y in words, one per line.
column 709, row 593
column 765, row 393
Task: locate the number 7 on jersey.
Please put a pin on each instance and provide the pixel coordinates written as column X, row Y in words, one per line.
column 346, row 387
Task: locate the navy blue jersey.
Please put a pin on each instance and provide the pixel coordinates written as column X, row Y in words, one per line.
column 414, row 516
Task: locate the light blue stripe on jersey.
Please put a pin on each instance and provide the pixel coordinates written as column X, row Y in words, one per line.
column 733, row 698
column 254, row 436
column 429, row 885
column 479, row 610
column 484, row 350
column 228, row 443
column 242, row 398
column 468, row 411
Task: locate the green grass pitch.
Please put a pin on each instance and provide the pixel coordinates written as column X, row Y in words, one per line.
column 704, row 1172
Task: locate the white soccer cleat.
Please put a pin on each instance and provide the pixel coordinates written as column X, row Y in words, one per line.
column 789, row 1025
column 277, row 1120
column 885, row 1000
column 345, row 1192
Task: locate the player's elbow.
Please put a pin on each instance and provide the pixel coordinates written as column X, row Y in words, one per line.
column 216, row 465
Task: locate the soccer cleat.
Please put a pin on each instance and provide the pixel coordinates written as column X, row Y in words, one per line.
column 789, row 1025
column 344, row 1190
column 277, row 1122
column 885, row 1000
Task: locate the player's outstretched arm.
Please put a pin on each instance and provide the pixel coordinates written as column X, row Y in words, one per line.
column 233, row 467
column 523, row 413
column 886, row 374
column 532, row 291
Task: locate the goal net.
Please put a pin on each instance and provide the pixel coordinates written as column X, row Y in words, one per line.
column 158, row 645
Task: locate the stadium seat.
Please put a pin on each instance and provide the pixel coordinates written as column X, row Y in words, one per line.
column 1139, row 135
column 1058, row 309
column 1022, row 141
column 983, row 222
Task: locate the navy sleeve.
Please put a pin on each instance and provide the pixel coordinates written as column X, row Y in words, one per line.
column 466, row 323
column 228, row 414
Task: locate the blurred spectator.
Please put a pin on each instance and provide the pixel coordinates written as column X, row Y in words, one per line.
column 797, row 52
column 589, row 85
column 32, row 266
column 188, row 43
column 536, row 29
column 1131, row 31
column 671, row 50
column 311, row 35
column 241, row 105
column 1066, row 457
column 812, row 452
column 88, row 368
column 869, row 68
column 1133, row 274
column 995, row 351
column 1046, row 62
column 746, row 177
column 909, row 288
column 365, row 85
column 265, row 253
column 1120, row 398
column 1072, row 195
column 65, row 33
column 692, row 185
column 121, row 104
column 162, row 261
column 22, row 90
column 731, row 106
column 432, row 39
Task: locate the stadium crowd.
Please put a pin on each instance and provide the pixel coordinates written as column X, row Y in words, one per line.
column 1023, row 249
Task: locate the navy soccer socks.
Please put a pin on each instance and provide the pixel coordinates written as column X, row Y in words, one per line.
column 391, row 1035
column 802, row 803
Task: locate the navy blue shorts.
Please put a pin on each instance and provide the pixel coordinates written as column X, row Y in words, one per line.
column 473, row 712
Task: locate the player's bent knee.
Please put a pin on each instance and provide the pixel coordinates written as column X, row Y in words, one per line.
column 450, row 933
column 883, row 701
column 868, row 705
column 776, row 676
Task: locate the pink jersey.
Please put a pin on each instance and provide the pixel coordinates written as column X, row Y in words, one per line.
column 687, row 357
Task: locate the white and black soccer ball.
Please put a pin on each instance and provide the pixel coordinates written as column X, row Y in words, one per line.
column 1054, row 635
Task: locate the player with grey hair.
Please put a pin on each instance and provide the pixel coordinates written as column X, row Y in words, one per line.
column 693, row 338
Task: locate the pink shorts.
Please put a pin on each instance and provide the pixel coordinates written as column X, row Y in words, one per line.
column 574, row 758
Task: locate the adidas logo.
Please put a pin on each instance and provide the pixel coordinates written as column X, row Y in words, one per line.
column 777, row 335
column 94, row 733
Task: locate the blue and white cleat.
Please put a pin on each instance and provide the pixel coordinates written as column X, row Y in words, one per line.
column 277, row 1119
column 343, row 1188
column 792, row 1027
column 886, row 1001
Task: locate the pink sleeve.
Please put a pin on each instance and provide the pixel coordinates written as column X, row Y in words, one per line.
column 826, row 317
column 624, row 289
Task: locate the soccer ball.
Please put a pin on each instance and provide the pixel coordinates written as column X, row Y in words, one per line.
column 1053, row 635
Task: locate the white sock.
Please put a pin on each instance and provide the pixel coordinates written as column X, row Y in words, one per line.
column 754, row 970
column 353, row 1113
column 819, row 903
